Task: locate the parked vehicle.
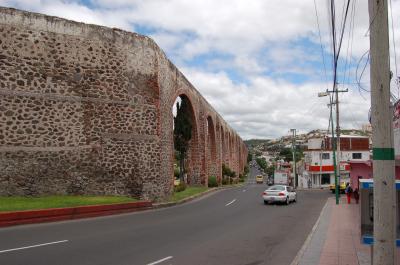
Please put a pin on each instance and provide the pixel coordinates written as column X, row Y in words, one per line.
column 281, row 177
column 270, row 181
column 282, row 173
column 279, row 193
column 259, row 179
column 342, row 186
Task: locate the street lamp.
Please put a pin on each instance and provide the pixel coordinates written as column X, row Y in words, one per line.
column 322, row 94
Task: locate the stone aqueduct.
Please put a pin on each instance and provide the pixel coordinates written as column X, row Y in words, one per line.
column 88, row 109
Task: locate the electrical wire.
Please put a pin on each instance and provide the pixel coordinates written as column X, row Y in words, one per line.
column 395, row 54
column 349, row 55
column 342, row 32
column 320, row 42
column 358, row 79
column 372, row 21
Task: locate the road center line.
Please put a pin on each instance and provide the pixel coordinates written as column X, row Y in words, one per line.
column 161, row 260
column 34, row 246
column 230, row 202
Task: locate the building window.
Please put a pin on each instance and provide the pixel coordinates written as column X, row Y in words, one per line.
column 325, row 178
column 356, row 155
column 325, row 156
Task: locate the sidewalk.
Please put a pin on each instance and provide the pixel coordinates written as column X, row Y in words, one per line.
column 335, row 240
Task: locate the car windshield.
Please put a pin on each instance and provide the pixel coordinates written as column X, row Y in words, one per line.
column 277, row 188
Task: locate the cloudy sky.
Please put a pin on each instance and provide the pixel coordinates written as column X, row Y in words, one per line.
column 260, row 63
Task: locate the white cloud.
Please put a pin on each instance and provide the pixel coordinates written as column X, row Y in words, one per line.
column 265, row 42
column 268, row 108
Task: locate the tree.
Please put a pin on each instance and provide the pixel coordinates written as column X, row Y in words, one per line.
column 270, row 170
column 182, row 133
column 287, row 154
column 262, row 163
column 249, row 157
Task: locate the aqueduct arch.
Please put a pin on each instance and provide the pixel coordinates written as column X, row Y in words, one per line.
column 192, row 158
column 87, row 109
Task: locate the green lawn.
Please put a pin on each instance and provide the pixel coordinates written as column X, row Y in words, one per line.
column 189, row 191
column 31, row 203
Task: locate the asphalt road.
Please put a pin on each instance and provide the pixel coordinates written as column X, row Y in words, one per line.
column 228, row 227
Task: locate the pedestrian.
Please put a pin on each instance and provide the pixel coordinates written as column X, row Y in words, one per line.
column 356, row 195
column 348, row 192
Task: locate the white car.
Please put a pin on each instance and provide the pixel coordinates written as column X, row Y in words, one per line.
column 279, row 193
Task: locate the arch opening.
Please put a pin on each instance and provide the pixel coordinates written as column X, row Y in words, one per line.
column 186, row 158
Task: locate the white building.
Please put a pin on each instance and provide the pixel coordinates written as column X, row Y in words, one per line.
column 318, row 158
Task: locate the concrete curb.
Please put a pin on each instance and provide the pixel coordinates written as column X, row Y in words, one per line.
column 168, row 204
column 69, row 213
column 300, row 254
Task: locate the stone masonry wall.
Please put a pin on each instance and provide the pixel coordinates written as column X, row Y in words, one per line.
column 86, row 109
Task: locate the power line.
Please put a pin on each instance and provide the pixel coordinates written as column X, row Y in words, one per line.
column 358, row 80
column 320, row 42
column 342, row 31
column 395, row 54
column 372, row 21
column 349, row 56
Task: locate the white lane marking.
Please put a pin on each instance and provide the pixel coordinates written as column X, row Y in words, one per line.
column 230, row 202
column 33, row 246
column 161, row 260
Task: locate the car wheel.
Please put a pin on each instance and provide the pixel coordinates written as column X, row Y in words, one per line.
column 295, row 199
column 265, row 202
column 287, row 201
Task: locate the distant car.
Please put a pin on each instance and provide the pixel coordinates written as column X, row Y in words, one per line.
column 259, row 179
column 270, row 181
column 279, row 193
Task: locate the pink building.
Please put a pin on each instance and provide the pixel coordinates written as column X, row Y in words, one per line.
column 363, row 170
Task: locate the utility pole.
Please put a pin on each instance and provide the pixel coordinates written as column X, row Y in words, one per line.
column 294, row 156
column 338, row 154
column 337, row 134
column 335, row 144
column 335, row 165
column 384, row 248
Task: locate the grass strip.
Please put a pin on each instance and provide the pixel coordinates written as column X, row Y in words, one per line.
column 189, row 191
column 46, row 202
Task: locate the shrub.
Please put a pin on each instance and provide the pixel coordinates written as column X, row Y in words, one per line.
column 234, row 180
column 246, row 169
column 212, row 181
column 226, row 171
column 180, row 187
column 176, row 172
column 224, row 181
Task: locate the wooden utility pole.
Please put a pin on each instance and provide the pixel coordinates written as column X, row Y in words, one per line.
column 382, row 137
